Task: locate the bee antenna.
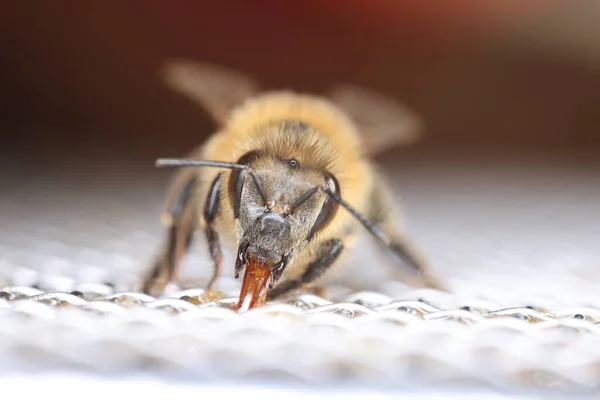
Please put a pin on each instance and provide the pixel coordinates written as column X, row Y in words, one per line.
column 371, row 227
column 185, row 162
column 305, row 196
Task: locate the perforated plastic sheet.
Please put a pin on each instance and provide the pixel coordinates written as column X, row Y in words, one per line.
column 518, row 248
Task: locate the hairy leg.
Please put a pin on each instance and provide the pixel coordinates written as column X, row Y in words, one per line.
column 327, row 253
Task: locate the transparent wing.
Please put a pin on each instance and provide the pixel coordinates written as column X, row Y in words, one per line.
column 216, row 89
column 383, row 122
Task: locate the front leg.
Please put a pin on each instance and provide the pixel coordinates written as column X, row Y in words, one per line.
column 211, row 209
column 327, row 253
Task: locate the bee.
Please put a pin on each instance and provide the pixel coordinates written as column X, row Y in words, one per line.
column 287, row 177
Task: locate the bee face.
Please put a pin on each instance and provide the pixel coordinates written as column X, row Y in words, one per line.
column 275, row 230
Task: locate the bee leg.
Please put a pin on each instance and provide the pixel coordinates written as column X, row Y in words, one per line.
column 211, row 209
column 404, row 248
column 182, row 217
column 384, row 215
column 327, row 254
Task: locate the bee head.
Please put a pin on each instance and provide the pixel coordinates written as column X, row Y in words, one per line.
column 278, row 212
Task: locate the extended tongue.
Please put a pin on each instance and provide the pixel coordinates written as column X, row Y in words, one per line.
column 254, row 287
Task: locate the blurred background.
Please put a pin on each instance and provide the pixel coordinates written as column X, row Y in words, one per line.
column 503, row 183
column 491, row 73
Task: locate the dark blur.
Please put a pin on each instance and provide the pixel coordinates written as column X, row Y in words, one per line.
column 82, row 76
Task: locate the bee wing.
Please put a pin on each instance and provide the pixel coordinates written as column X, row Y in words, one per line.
column 383, row 122
column 217, row 89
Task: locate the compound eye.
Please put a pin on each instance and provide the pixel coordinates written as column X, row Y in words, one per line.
column 294, row 163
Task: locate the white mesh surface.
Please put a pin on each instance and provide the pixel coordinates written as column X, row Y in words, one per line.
column 506, row 239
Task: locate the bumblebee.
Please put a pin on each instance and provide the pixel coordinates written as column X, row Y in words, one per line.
column 287, row 177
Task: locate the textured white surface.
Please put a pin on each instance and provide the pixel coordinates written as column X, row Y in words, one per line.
column 71, row 386
column 515, row 234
